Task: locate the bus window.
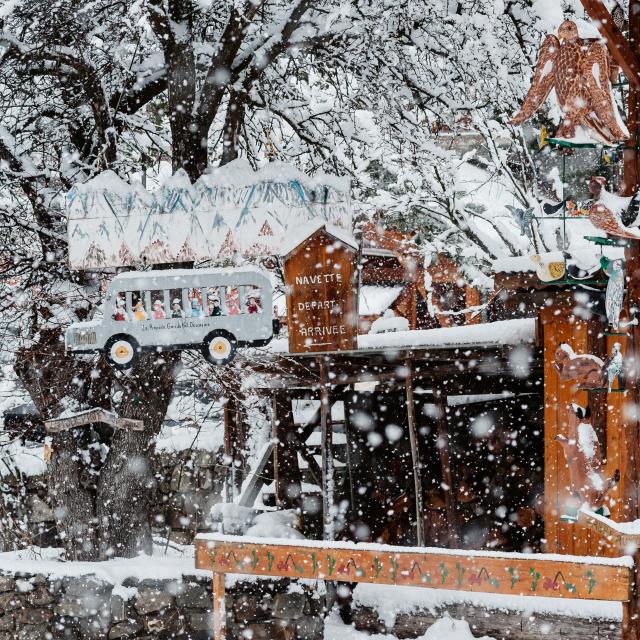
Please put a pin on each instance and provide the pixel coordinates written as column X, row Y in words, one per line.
column 214, row 308
column 158, row 305
column 138, row 306
column 176, row 303
column 232, row 299
column 195, row 303
column 253, row 300
column 120, row 314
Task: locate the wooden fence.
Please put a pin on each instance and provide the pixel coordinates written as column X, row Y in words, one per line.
column 485, row 572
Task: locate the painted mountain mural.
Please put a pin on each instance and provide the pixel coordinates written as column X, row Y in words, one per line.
column 233, row 209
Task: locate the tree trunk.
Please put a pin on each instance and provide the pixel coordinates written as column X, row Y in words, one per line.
column 112, row 517
column 74, row 504
column 232, row 125
column 126, row 485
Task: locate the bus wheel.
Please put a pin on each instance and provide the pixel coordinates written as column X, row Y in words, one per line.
column 219, row 347
column 121, row 351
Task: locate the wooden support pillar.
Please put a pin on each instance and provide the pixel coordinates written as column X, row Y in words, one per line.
column 228, row 415
column 472, row 299
column 219, row 609
column 346, row 400
column 415, row 454
column 288, row 479
column 239, row 443
column 328, row 472
column 445, row 465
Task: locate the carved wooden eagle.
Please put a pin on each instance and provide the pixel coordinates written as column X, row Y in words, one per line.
column 580, row 71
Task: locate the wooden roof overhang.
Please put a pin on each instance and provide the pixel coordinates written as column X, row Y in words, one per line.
column 464, row 369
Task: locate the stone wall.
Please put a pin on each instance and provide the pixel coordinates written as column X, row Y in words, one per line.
column 494, row 623
column 35, row 607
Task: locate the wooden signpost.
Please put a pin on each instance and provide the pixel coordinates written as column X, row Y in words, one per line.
column 320, row 275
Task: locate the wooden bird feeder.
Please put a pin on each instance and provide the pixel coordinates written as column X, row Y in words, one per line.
column 91, row 416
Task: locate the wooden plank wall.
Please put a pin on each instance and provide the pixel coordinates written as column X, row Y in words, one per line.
column 560, row 325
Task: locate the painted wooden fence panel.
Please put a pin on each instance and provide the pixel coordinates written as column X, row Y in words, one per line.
column 530, row 576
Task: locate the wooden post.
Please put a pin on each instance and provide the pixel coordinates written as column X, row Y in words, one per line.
column 219, row 609
column 239, row 445
column 288, row 479
column 328, row 476
column 274, row 438
column 415, row 454
column 347, row 432
column 228, row 414
column 445, row 464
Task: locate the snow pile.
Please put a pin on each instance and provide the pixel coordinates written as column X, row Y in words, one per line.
column 231, row 518
column 278, row 524
column 389, row 323
column 450, row 629
column 227, row 211
column 390, row 602
column 376, row 300
column 490, row 334
column 47, row 561
column 443, row 629
column 234, row 519
column 21, row 459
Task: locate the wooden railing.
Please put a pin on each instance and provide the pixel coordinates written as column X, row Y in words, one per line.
column 486, row 572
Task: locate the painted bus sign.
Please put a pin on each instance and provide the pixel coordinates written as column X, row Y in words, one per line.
column 320, row 274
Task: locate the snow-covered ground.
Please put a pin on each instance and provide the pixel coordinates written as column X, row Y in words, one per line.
column 443, row 629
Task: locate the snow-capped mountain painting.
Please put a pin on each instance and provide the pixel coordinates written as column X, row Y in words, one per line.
column 112, row 223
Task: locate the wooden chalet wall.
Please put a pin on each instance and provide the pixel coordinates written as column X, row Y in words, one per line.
column 618, row 437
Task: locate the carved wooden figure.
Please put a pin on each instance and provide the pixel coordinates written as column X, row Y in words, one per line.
column 584, row 461
column 580, row 72
column 585, row 369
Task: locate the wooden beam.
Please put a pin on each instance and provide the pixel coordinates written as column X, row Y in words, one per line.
column 415, row 454
column 256, row 479
column 326, row 441
column 440, row 401
column 619, row 47
column 227, row 416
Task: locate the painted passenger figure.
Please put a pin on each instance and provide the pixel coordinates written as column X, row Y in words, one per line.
column 253, row 303
column 214, row 307
column 120, row 315
column 158, row 311
column 233, row 302
column 139, row 312
column 196, row 311
column 176, row 309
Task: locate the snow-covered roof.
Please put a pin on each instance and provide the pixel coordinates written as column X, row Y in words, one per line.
column 586, row 258
column 376, row 300
column 295, row 239
column 488, row 335
column 144, row 277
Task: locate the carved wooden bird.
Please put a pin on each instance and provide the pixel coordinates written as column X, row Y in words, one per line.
column 614, row 368
column 614, row 295
column 584, row 461
column 584, row 368
column 615, row 215
column 580, row 72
